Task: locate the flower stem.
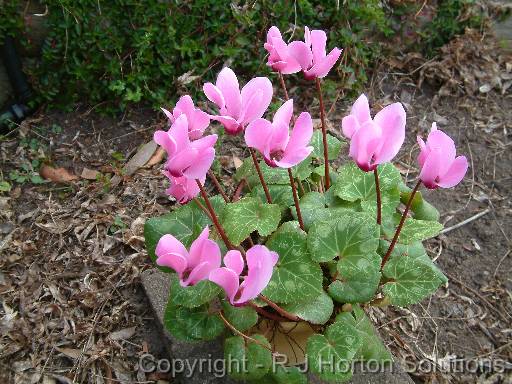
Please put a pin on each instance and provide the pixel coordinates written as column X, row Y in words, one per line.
column 215, row 220
column 379, row 198
column 238, row 190
column 324, row 133
column 279, row 310
column 283, row 85
column 260, row 175
column 296, row 199
column 236, row 331
column 217, row 185
column 399, row 229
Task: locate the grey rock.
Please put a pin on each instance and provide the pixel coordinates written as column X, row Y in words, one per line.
column 157, row 284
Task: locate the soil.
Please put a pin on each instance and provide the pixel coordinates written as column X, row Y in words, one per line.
column 71, row 254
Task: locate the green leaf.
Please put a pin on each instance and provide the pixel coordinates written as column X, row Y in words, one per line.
column 303, row 170
column 421, row 209
column 353, row 234
column 185, row 223
column 419, row 230
column 354, row 184
column 271, row 175
column 316, row 311
column 192, row 324
column 296, row 277
column 247, row 215
column 193, row 295
column 330, row 355
column 242, row 318
column 371, row 346
column 246, row 359
column 411, row 279
column 280, row 194
column 334, row 145
column 5, row 186
column 390, row 200
column 358, row 278
column 313, row 207
column 283, row 375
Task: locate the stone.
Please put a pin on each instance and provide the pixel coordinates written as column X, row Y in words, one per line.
column 157, row 284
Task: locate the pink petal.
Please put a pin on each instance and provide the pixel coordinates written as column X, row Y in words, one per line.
column 184, row 105
column 273, row 32
column 231, row 125
column 179, row 132
column 177, row 164
column 204, row 142
column 291, row 159
column 430, row 170
column 201, row 163
column 255, row 107
column 365, row 142
column 280, row 138
column 301, row 53
column 455, row 173
column 173, row 260
column 391, row 120
column 258, row 135
column 182, row 189
column 322, row 68
column 228, row 85
column 214, row 95
column 349, row 126
column 437, row 139
column 198, row 273
column 291, row 66
column 301, row 133
column 234, row 261
column 307, row 37
column 168, row 114
column 163, row 139
column 260, row 263
column 227, row 279
column 424, row 151
column 197, row 248
column 361, row 109
column 318, row 41
column 284, row 114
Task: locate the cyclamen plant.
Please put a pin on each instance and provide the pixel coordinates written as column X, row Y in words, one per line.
column 303, row 242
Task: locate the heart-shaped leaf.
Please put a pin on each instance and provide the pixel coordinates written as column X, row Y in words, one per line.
column 330, row 355
column 410, row 279
column 296, row 277
column 280, row 194
column 246, row 359
column 358, row 278
column 241, row 318
column 418, row 230
column 249, row 214
column 334, row 145
column 351, row 234
column 316, row 311
column 371, row 346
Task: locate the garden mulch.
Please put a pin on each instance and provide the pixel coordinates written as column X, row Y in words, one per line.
column 71, row 254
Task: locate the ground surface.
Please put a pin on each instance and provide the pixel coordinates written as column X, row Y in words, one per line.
column 71, row 253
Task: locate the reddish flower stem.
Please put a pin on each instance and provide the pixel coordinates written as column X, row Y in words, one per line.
column 399, row 229
column 279, row 310
column 260, row 175
column 296, row 200
column 238, row 190
column 218, row 186
column 283, row 85
column 214, row 217
column 379, row 198
column 324, row 134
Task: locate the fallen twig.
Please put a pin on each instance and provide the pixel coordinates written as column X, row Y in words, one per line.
column 469, row 220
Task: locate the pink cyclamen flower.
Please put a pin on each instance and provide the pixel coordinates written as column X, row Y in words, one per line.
column 182, row 188
column 311, row 54
column 439, row 166
column 260, row 264
column 186, row 158
column 238, row 108
column 273, row 140
column 373, row 142
column 279, row 57
column 191, row 266
column 198, row 120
